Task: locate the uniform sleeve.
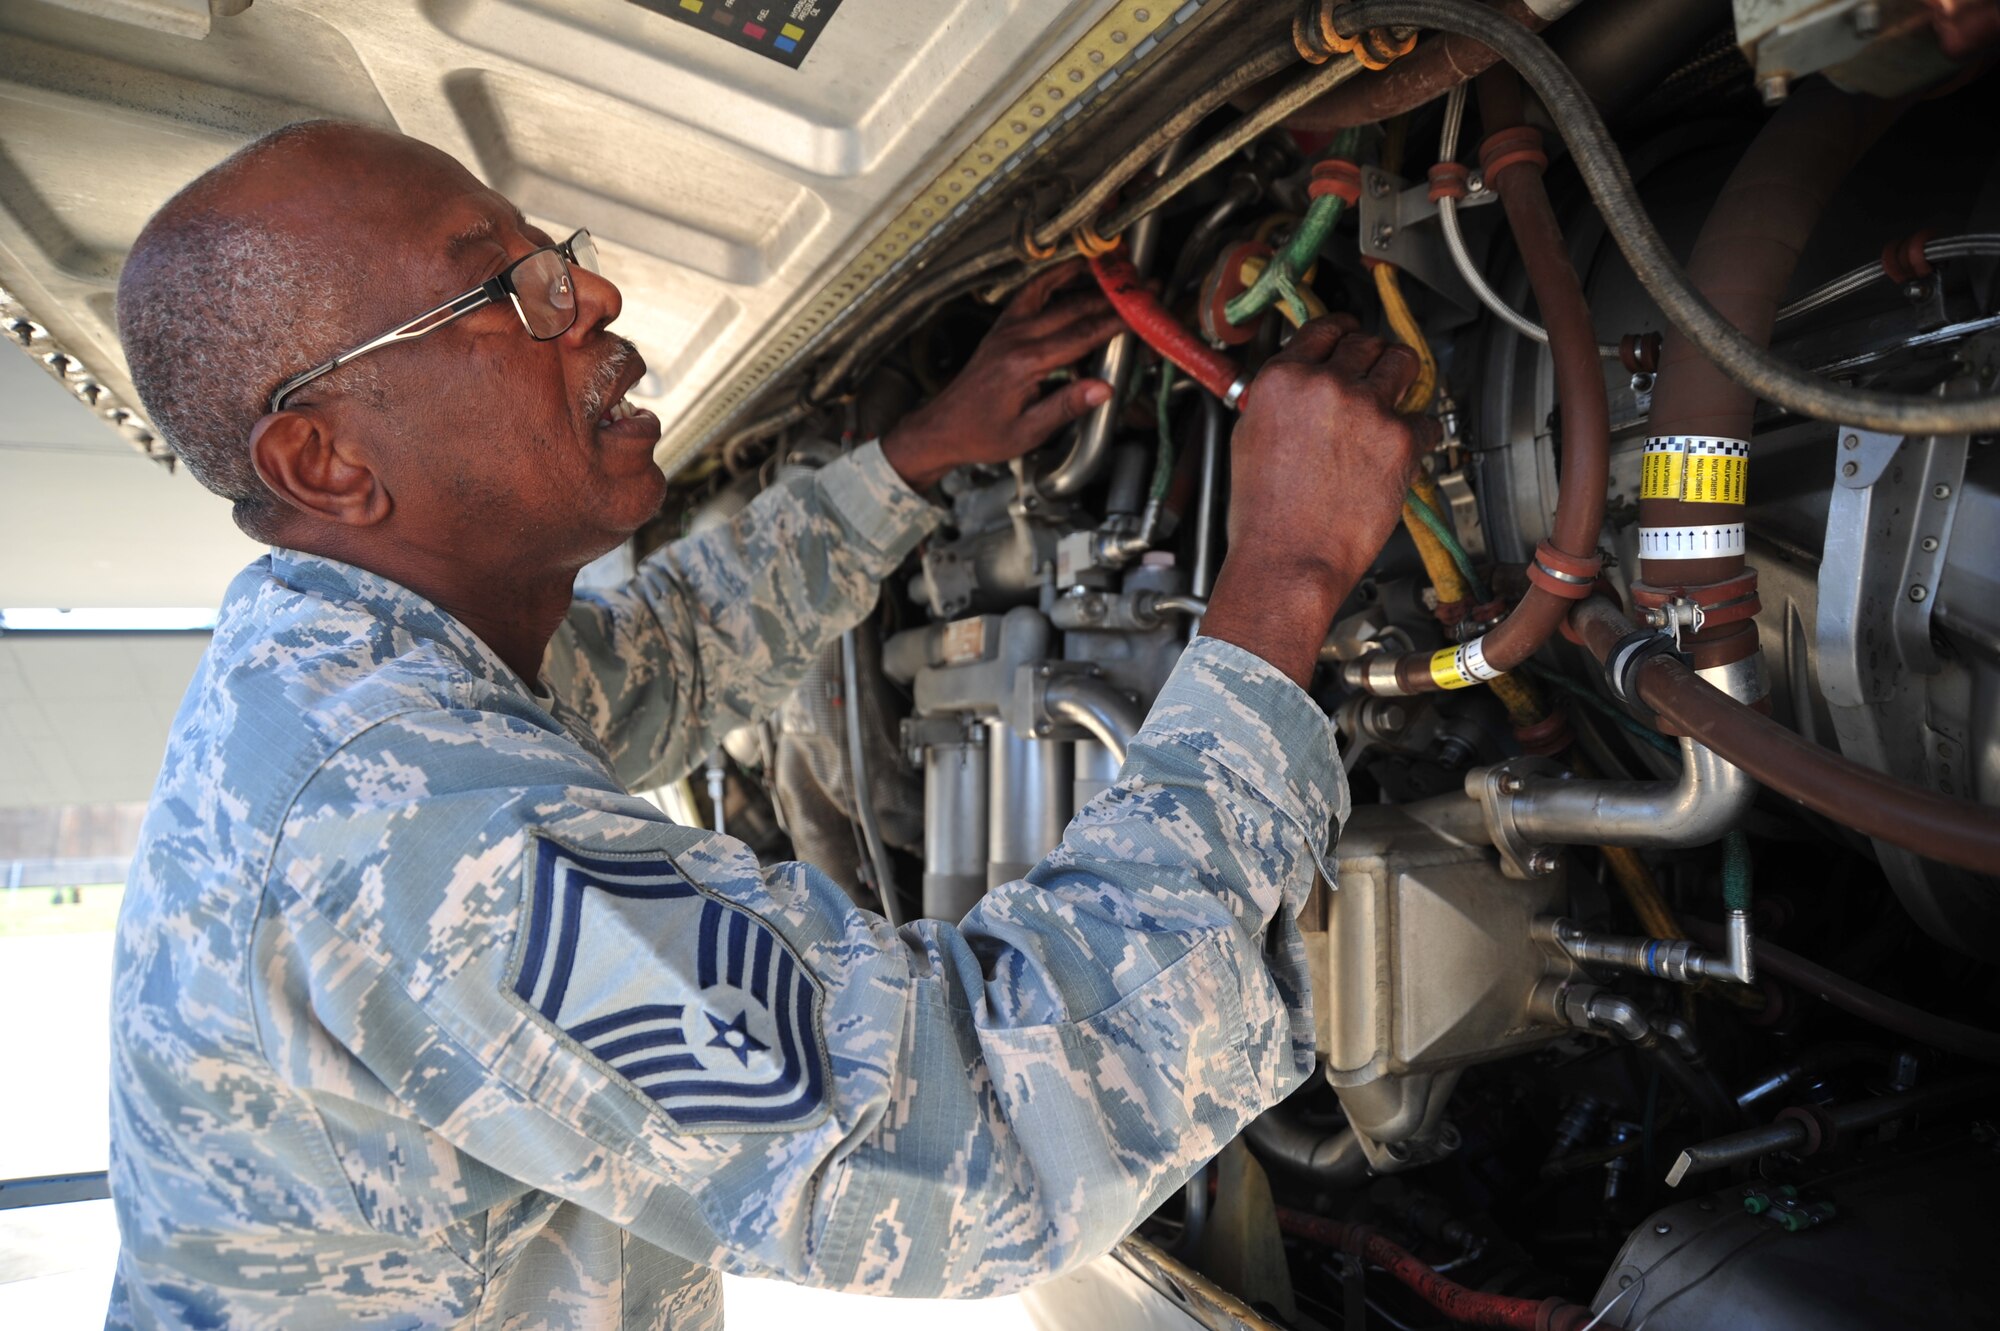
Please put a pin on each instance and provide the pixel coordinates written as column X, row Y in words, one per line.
column 719, row 627
column 738, row 1065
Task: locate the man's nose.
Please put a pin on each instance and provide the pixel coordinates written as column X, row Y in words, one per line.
column 598, row 301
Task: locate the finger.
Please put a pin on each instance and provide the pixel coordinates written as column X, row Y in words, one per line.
column 1393, row 373
column 1059, row 313
column 1315, row 340
column 1355, row 356
column 1031, row 298
column 1071, row 342
column 1051, row 413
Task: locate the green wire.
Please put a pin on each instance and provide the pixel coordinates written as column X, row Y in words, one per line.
column 1442, row 530
column 1280, row 278
column 1163, row 460
column 1736, row 871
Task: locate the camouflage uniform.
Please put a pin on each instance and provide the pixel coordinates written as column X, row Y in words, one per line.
column 422, row 1020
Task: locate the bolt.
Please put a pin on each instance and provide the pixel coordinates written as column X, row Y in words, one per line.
column 1542, row 863
column 1851, row 441
column 1918, row 592
column 1940, row 491
column 1378, row 185
column 1773, row 88
column 1397, row 1151
column 1475, row 183
column 1929, row 543
column 1382, row 234
column 1663, row 1228
column 1916, row 289
column 1512, row 785
column 1850, row 469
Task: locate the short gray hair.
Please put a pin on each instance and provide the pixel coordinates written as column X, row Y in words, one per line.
column 216, row 310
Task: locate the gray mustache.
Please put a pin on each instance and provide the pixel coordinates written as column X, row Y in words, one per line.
column 597, row 394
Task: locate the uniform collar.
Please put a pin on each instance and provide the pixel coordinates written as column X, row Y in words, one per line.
column 393, row 603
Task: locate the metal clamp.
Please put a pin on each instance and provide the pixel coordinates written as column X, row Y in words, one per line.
column 1621, row 667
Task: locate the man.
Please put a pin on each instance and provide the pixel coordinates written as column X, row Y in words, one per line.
column 423, row 1021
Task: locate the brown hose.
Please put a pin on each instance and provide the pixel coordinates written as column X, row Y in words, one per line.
column 1429, row 72
column 1586, row 413
column 1743, row 262
column 1951, row 831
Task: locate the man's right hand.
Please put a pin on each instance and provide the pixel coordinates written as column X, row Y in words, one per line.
column 1318, row 467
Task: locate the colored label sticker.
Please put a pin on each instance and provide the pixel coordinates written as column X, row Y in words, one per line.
column 1695, row 469
column 780, row 30
column 1445, row 671
column 1708, row 542
column 1472, row 661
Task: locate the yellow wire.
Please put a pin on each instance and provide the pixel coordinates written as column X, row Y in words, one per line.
column 1389, row 287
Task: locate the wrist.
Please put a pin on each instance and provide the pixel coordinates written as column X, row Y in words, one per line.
column 1278, row 608
column 914, row 458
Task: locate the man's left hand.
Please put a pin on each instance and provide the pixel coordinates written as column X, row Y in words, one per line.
column 996, row 409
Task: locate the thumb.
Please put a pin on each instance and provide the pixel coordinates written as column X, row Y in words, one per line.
column 1051, row 413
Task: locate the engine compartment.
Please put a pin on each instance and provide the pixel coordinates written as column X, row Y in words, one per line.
column 1570, row 1055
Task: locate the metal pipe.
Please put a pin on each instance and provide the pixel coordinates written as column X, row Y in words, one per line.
column 1097, row 706
column 954, row 827
column 1328, row 1159
column 1708, row 798
column 1027, row 800
column 1672, row 959
column 1087, row 456
column 1813, row 1132
column 864, row 807
column 1954, row 831
column 716, row 774
column 1213, row 425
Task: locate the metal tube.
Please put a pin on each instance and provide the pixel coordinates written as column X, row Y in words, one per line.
column 1709, row 797
column 1093, row 771
column 1027, row 801
column 954, row 828
column 1099, row 707
column 1327, row 1159
column 1114, row 365
column 1213, row 423
column 1791, row 1134
column 864, row 807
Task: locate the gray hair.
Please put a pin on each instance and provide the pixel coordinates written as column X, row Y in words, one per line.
column 216, row 310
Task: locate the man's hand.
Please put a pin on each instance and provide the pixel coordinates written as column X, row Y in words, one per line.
column 995, row 410
column 1318, row 466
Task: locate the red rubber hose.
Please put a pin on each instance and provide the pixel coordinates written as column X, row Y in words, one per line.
column 1468, row 1307
column 1143, row 314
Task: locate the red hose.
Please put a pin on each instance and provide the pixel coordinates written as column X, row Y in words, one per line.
column 1468, row 1307
column 1143, row 314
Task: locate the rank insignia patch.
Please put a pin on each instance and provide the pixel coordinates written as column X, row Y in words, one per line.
column 698, row 1004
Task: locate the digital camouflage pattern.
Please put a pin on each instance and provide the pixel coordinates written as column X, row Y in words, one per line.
column 403, row 969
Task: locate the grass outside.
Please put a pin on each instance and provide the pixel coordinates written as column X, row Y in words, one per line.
column 28, row 912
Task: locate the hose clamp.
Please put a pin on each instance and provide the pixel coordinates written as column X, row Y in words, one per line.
column 1621, row 667
column 1235, row 394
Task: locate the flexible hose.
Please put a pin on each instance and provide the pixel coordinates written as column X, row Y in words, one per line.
column 1389, row 287
column 1610, row 185
column 864, row 804
column 1736, row 871
column 1467, row 1307
column 1953, row 1037
column 1143, row 314
column 1953, row 831
column 1290, row 265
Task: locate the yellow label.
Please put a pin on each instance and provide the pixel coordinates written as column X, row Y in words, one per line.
column 1695, row 470
column 1447, row 672
column 693, row 5
column 793, row 31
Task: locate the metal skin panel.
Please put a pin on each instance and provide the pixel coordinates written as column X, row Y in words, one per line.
column 725, row 187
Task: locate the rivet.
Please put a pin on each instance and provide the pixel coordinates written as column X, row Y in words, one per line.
column 1851, row 441
column 1918, row 592
column 1663, row 1228
column 1940, row 491
column 1142, row 15
column 1850, row 468
column 1929, row 543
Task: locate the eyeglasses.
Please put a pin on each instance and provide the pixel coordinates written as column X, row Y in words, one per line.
column 539, row 285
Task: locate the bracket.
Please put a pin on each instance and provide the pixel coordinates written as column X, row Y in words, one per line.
column 1399, row 225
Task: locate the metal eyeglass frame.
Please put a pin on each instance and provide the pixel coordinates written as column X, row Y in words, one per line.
column 486, row 293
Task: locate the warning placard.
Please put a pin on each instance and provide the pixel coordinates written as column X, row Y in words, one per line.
column 780, row 30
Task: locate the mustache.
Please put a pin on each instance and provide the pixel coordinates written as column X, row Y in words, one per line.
column 604, row 379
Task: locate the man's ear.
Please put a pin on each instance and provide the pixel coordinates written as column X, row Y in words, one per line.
column 315, row 472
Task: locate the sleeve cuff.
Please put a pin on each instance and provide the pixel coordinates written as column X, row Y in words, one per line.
column 1244, row 713
column 876, row 503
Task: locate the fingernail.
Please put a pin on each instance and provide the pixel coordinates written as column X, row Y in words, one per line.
column 1097, row 394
